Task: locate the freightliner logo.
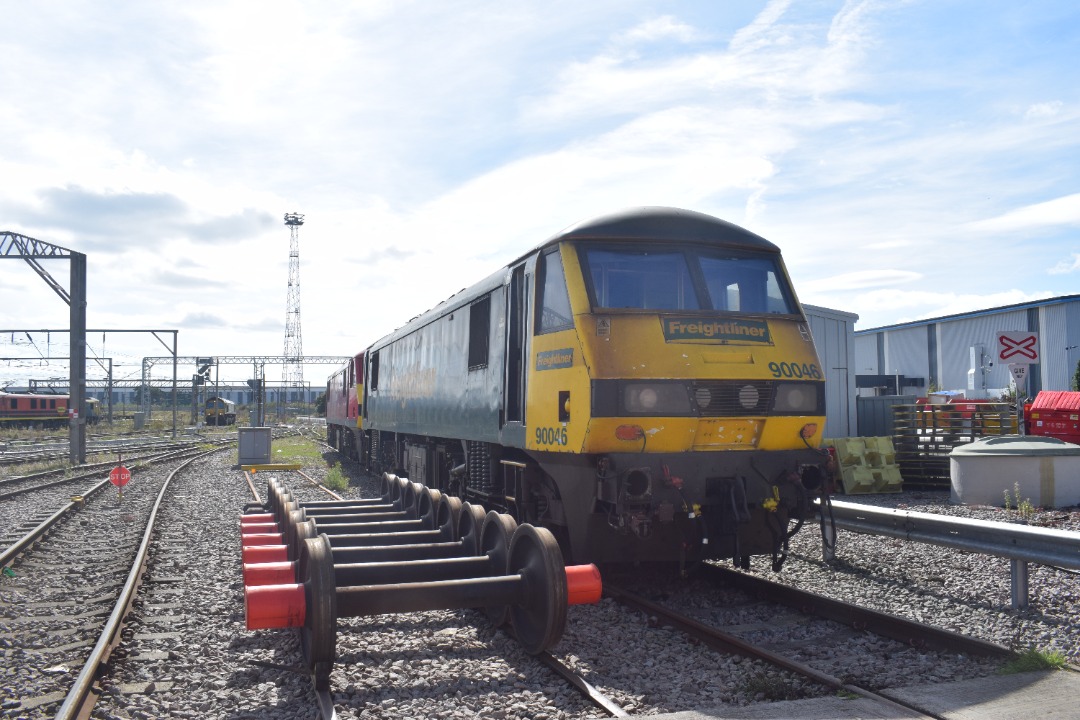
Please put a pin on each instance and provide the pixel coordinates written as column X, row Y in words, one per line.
column 690, row 328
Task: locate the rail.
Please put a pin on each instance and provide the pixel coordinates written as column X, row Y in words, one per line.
column 82, row 695
column 1018, row 542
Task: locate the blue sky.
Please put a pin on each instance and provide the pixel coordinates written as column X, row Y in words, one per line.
column 912, row 159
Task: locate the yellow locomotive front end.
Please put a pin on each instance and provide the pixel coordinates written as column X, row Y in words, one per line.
column 676, row 400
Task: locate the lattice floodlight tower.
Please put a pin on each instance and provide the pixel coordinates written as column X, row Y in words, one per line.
column 293, row 370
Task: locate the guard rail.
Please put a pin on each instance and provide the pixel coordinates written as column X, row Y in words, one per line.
column 1019, row 542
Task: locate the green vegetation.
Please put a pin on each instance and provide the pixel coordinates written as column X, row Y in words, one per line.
column 1076, row 377
column 1024, row 508
column 1033, row 659
column 335, row 479
column 296, row 448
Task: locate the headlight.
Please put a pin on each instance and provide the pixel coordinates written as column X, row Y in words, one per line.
column 749, row 397
column 656, row 399
column 798, row 398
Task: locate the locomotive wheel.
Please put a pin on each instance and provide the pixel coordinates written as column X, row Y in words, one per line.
column 292, row 521
column 319, row 634
column 495, row 543
column 304, row 531
column 449, row 515
column 409, row 495
column 470, row 525
column 427, row 508
column 540, row 618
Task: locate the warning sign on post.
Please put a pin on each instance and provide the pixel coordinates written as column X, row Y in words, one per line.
column 1018, row 347
column 119, row 476
column 1019, row 375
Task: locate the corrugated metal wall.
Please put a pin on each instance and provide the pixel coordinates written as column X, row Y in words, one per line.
column 866, row 358
column 956, row 337
column 1071, row 345
column 834, row 333
column 1053, row 323
column 906, row 354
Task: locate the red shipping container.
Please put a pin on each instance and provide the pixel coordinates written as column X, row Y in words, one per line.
column 1056, row 413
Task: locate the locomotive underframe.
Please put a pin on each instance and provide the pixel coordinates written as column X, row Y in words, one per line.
column 617, row 507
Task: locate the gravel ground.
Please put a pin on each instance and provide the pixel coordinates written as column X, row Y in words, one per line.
column 189, row 655
column 960, row 591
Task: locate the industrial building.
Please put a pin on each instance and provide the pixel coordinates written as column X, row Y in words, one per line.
column 833, row 332
column 960, row 353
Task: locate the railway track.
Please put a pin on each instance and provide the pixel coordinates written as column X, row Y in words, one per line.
column 65, row 596
column 27, row 452
column 31, row 499
column 185, row 651
column 142, row 677
column 802, row 633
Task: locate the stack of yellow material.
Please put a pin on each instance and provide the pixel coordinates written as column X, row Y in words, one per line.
column 867, row 465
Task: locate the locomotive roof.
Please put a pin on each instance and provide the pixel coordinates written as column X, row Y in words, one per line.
column 665, row 224
column 27, row 393
column 640, row 224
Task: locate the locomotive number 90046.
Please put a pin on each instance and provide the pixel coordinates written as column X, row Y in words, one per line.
column 795, row 370
column 551, row 436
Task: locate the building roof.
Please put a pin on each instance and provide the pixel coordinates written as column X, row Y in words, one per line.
column 975, row 313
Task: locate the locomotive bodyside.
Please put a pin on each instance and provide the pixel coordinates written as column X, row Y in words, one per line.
column 33, row 409
column 644, row 384
column 343, row 421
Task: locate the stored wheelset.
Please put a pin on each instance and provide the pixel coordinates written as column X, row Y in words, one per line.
column 536, row 588
column 514, row 573
column 387, row 557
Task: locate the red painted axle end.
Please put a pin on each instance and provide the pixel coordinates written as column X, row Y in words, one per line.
column 267, row 607
column 253, row 554
column 270, row 573
column 583, row 585
column 263, row 539
column 258, row 528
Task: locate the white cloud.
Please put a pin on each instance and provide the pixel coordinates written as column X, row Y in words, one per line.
column 663, row 27
column 861, row 279
column 1064, row 267
column 1042, row 110
column 1059, row 211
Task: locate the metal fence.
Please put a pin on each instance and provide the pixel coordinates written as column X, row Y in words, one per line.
column 924, row 435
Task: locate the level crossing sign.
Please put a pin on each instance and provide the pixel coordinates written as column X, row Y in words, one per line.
column 1018, row 347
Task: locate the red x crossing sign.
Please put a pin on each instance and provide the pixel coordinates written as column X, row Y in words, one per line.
column 1018, row 347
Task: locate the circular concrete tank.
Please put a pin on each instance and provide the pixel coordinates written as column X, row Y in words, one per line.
column 1046, row 470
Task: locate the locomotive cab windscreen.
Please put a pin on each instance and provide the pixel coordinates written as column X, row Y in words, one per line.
column 686, row 279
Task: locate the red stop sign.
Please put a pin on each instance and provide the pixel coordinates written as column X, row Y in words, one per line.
column 120, row 476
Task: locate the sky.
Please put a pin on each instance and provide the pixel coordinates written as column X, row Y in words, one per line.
column 912, row 159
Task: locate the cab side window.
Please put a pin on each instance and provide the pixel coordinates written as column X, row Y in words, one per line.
column 553, row 307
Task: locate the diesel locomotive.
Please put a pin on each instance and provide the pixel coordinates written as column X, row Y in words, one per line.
column 644, row 384
column 219, row 411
